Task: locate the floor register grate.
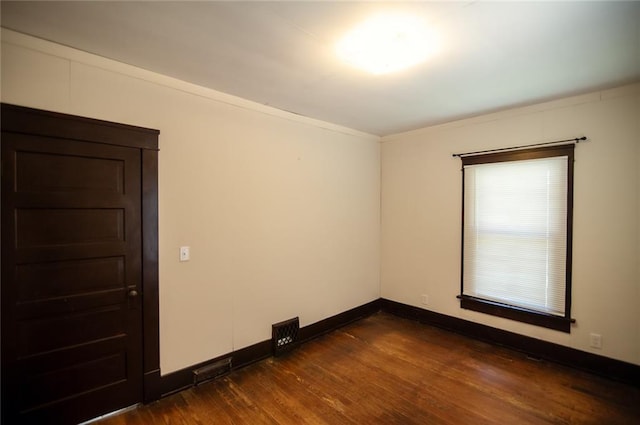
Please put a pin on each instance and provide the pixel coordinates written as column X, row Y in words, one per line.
column 284, row 335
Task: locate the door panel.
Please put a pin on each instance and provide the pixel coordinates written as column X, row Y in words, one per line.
column 37, row 282
column 71, row 241
column 75, row 379
column 45, row 227
column 46, row 173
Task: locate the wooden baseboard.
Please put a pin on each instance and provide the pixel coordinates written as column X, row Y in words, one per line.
column 599, row 365
column 610, row 368
column 151, row 384
column 334, row 322
column 183, row 378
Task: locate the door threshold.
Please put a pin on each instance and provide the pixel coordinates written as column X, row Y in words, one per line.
column 111, row 414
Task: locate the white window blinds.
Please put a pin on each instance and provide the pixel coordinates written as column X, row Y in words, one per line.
column 515, row 233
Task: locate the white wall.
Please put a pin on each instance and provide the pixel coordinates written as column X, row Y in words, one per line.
column 281, row 212
column 421, row 213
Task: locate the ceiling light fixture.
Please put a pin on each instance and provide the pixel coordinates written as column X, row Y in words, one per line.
column 387, row 43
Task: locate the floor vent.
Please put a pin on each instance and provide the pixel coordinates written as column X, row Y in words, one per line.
column 284, row 335
column 211, row 371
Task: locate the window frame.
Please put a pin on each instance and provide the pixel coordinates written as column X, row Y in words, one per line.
column 505, row 310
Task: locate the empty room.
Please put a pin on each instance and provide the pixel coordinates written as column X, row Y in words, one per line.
column 298, row 212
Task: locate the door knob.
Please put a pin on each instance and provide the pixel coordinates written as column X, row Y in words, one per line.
column 133, row 293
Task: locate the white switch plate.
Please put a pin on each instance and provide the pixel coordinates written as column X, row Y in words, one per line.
column 185, row 254
column 595, row 340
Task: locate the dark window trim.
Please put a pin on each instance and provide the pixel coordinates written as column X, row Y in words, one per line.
column 520, row 314
column 550, row 321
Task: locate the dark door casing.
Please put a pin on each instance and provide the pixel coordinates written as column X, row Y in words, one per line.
column 78, row 286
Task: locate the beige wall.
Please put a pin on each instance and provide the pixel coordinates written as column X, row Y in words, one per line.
column 281, row 212
column 421, row 213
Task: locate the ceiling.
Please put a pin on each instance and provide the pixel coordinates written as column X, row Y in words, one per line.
column 491, row 55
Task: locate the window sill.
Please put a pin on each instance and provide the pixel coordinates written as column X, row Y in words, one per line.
column 520, row 314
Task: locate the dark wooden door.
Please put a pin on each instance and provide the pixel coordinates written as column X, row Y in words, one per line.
column 71, row 278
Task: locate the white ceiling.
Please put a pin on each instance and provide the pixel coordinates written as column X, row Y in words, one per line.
column 493, row 55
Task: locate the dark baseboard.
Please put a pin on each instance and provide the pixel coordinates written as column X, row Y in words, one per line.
column 151, row 384
column 183, row 378
column 604, row 366
column 334, row 322
column 599, row 365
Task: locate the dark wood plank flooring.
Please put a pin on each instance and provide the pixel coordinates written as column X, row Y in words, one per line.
column 388, row 370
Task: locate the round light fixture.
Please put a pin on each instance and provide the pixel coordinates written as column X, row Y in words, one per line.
column 387, row 43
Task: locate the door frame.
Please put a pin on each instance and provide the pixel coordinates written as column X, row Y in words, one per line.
column 24, row 120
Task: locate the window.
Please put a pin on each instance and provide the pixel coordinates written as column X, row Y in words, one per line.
column 516, row 254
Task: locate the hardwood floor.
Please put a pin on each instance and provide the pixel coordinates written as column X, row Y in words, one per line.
column 388, row 370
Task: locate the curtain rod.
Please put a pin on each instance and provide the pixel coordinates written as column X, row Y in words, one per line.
column 576, row 140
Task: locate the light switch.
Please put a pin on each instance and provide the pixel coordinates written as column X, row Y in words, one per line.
column 185, row 255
